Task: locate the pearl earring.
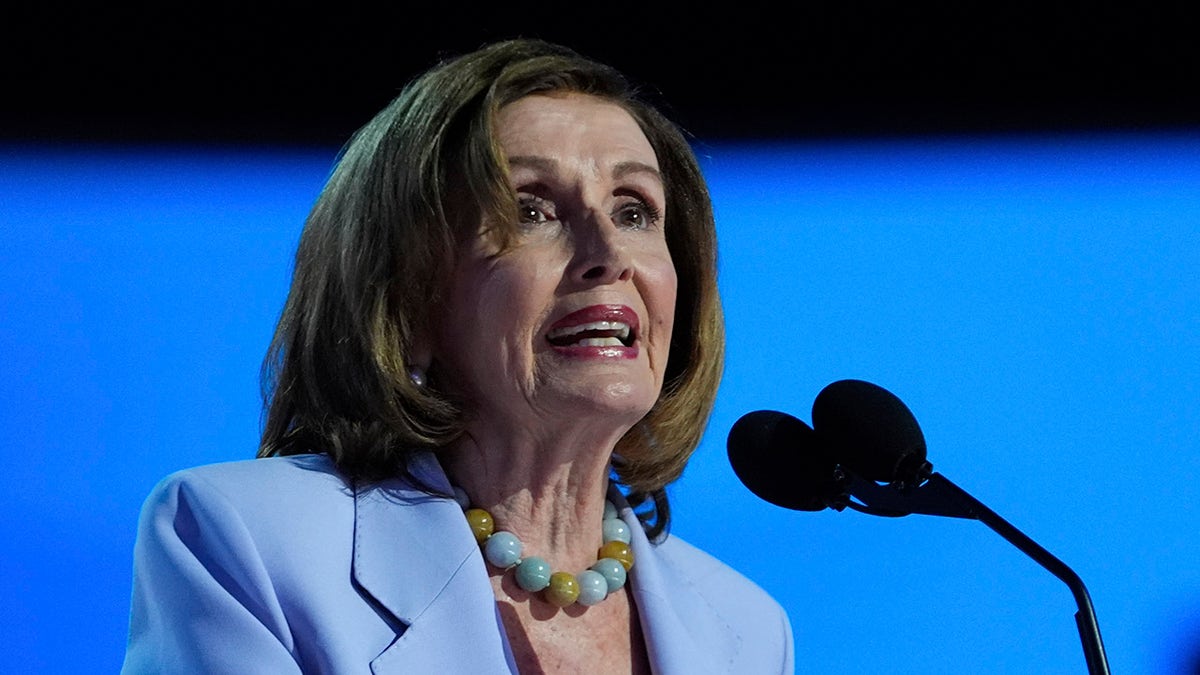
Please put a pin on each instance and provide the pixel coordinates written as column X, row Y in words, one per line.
column 417, row 375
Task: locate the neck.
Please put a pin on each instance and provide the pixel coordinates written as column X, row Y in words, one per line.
column 548, row 492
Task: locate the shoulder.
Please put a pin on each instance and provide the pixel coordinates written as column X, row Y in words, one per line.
column 260, row 485
column 251, row 501
column 282, row 474
column 264, row 550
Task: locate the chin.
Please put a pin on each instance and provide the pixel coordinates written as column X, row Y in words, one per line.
column 623, row 400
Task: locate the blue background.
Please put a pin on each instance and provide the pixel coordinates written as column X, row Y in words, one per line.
column 1033, row 299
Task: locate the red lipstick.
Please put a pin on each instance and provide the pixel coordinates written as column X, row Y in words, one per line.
column 598, row 331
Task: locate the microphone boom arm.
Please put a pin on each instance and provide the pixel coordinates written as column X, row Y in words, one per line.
column 938, row 496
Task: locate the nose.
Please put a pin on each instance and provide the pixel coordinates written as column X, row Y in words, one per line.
column 600, row 254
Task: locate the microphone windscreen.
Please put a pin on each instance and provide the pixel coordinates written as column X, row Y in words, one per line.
column 777, row 457
column 869, row 430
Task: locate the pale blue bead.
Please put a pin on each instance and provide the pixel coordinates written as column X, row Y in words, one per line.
column 610, row 511
column 615, row 529
column 613, row 572
column 503, row 549
column 593, row 587
column 533, row 574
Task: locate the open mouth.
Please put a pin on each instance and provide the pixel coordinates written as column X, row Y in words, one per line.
column 593, row 334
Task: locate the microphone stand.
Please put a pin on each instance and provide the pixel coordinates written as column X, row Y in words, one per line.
column 937, row 496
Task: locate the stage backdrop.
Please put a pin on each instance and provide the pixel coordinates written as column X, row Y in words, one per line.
column 1034, row 300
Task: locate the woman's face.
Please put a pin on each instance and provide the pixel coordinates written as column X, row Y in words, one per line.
column 575, row 318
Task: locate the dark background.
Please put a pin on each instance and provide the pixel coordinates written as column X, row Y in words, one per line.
column 297, row 75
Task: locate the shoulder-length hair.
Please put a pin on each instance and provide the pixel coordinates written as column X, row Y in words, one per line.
column 383, row 234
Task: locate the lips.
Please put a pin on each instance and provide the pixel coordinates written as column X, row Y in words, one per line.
column 600, row 329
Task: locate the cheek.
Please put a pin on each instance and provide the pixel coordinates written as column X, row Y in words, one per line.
column 502, row 305
column 662, row 286
column 467, row 318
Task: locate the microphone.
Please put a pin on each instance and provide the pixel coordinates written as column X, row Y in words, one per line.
column 866, row 451
column 777, row 457
column 861, row 434
column 871, row 431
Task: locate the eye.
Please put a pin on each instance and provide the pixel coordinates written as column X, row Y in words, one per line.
column 639, row 215
column 533, row 210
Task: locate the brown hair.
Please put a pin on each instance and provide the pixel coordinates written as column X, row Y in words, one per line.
column 410, row 185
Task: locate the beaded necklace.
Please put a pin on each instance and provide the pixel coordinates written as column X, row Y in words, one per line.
column 503, row 550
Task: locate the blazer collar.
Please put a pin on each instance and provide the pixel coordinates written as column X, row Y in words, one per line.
column 683, row 633
column 414, row 556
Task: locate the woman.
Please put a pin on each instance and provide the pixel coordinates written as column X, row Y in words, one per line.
column 504, row 300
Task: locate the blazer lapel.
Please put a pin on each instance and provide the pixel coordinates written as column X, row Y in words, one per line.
column 682, row 633
column 414, row 555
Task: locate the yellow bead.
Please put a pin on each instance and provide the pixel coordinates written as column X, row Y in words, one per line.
column 481, row 524
column 617, row 550
column 563, row 589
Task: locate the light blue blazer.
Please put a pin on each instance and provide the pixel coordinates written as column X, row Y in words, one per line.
column 280, row 566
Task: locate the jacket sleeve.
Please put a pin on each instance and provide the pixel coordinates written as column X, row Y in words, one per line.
column 202, row 601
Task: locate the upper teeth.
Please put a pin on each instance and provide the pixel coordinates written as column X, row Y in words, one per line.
column 567, row 331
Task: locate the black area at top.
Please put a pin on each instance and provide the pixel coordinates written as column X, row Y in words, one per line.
column 313, row 74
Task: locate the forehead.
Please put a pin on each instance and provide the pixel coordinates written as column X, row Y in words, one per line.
column 570, row 126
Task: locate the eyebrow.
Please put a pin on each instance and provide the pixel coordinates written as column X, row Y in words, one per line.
column 625, row 168
column 539, row 163
column 620, row 170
